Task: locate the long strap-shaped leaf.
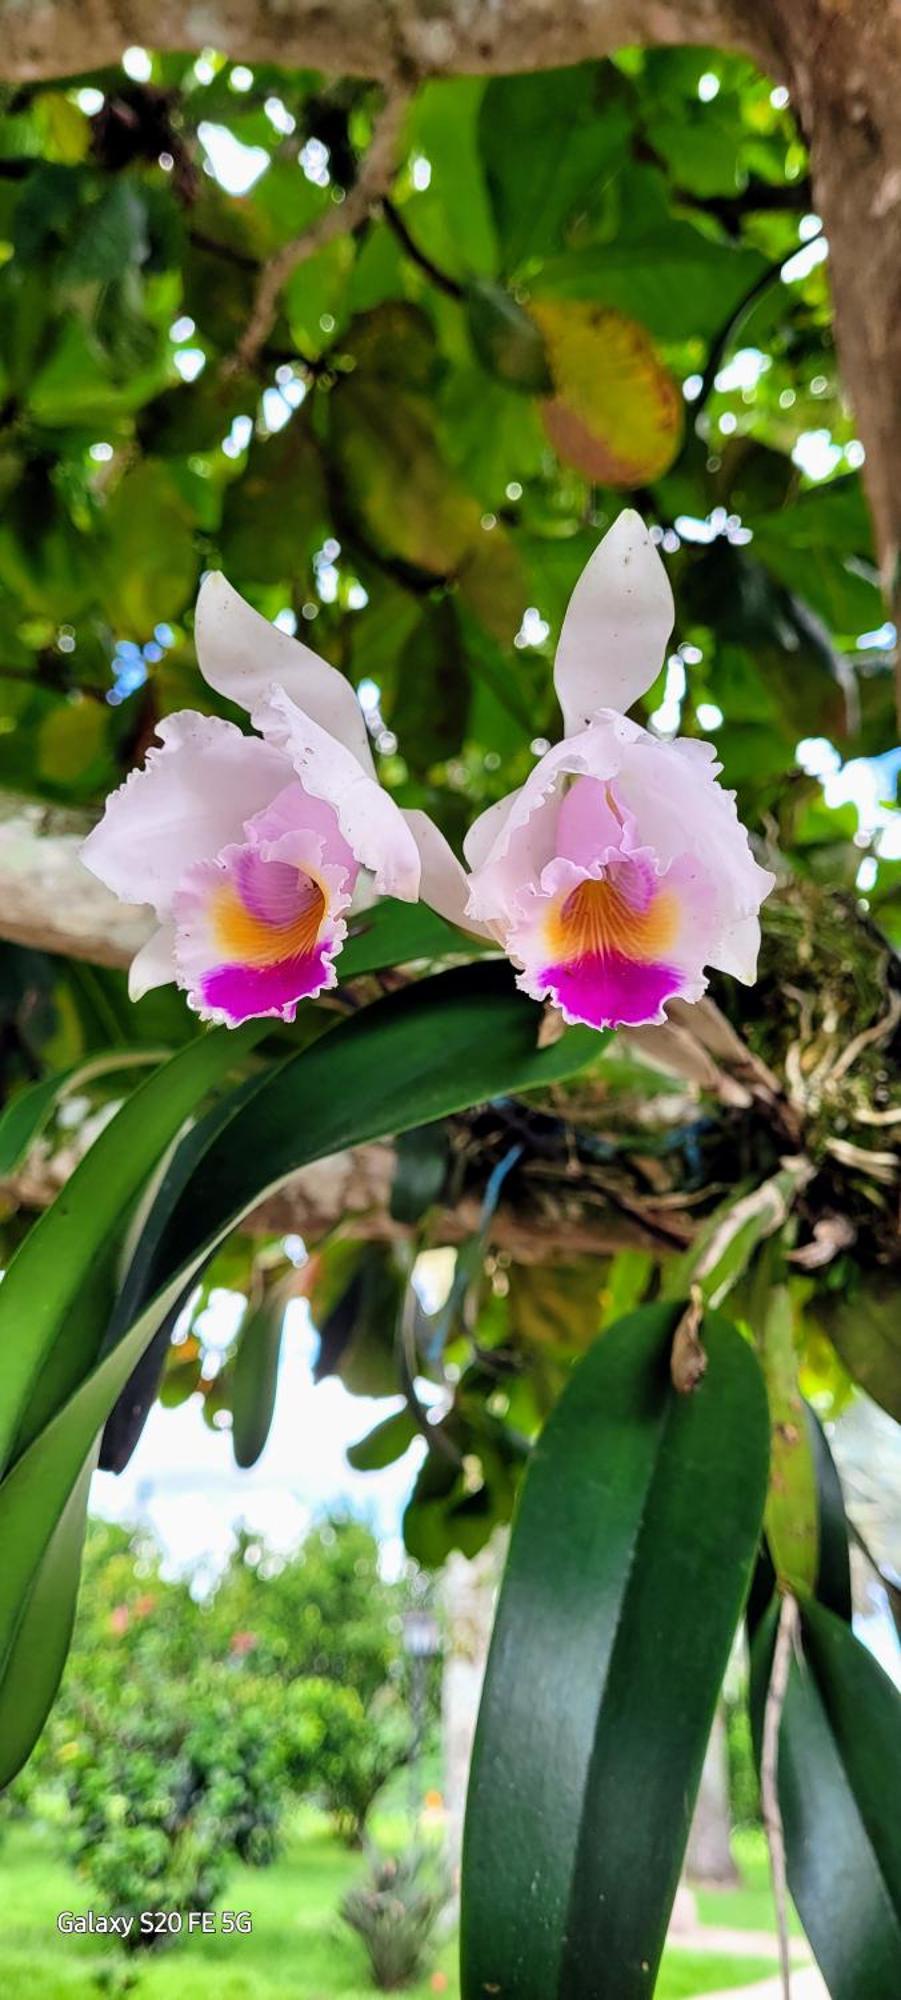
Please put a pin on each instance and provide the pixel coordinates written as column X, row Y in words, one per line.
column 628, row 1565
column 70, row 1252
column 839, row 1782
column 442, row 1045
column 74, row 1242
column 40, row 1643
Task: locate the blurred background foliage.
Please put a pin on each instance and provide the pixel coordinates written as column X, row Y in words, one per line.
column 604, row 281
column 189, row 1726
column 604, row 285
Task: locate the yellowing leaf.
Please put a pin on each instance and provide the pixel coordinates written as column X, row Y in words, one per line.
column 617, row 414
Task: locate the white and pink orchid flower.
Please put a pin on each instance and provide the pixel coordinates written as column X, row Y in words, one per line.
column 249, row 848
column 620, row 870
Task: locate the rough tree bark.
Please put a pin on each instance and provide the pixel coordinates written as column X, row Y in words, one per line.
column 841, row 60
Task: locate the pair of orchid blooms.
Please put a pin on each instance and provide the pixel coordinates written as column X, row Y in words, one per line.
column 612, row 878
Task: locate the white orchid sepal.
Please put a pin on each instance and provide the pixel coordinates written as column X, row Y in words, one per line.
column 250, row 848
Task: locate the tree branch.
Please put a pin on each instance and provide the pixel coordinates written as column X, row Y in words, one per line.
column 353, row 38
column 786, row 1640
column 377, row 169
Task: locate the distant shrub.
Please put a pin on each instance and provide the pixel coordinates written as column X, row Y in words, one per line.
column 166, row 1784
column 343, row 1752
column 395, row 1913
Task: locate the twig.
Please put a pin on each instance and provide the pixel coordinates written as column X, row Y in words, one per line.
column 727, row 332
column 375, row 176
column 442, row 279
column 786, row 1639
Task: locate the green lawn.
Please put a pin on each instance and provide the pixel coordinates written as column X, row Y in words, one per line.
column 297, row 1951
column 749, row 1907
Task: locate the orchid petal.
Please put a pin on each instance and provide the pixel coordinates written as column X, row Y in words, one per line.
column 620, row 872
column 525, row 839
column 241, row 654
column 154, row 964
column 444, row 883
column 258, row 928
column 616, row 628
column 191, row 798
column 738, row 949
column 481, row 836
column 373, row 826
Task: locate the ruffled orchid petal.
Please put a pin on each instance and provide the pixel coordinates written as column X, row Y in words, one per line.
column 154, row 965
column 259, row 927
column 191, row 798
column 373, row 826
column 526, row 836
column 620, row 873
column 681, row 808
column 479, row 839
column 241, row 654
column 616, row 627
column 444, row 883
column 737, row 951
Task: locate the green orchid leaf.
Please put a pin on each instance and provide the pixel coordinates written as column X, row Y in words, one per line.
column 628, row 1566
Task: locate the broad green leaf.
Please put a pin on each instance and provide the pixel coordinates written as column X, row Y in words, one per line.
column 839, row 1779
column 75, row 1241
column 150, row 563
column 112, row 235
column 821, row 547
column 254, row 1374
column 422, row 1161
column 507, row 339
column 274, row 514
column 680, row 283
column 382, row 435
column 616, row 414
column 429, row 711
column 791, row 1518
column 355, row 1300
column 547, row 141
column 196, row 416
column 385, row 1444
column 115, row 1169
column 628, row 1566
column 74, row 746
column 452, row 218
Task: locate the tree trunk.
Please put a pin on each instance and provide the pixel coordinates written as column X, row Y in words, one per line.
column 843, row 67
column 468, row 1590
column 708, row 1856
